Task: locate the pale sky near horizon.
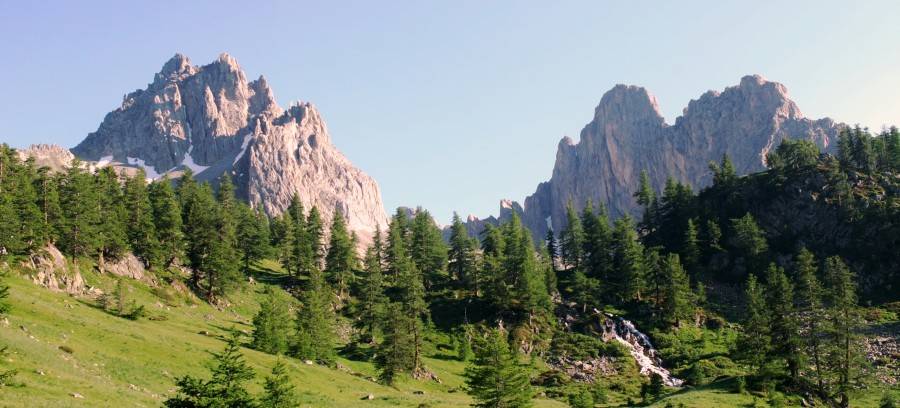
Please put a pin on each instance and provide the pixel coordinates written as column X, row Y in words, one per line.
column 451, row 105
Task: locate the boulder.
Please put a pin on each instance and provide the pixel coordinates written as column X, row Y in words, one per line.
column 52, row 271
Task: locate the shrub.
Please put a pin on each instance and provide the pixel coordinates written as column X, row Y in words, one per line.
column 887, row 401
column 136, row 312
column 740, row 385
column 598, row 391
column 582, row 347
column 581, row 398
column 552, row 378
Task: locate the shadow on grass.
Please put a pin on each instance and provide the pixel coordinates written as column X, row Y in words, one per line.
column 445, row 357
column 270, row 276
column 357, row 352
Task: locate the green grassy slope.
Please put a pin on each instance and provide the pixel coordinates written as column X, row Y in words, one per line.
column 118, row 362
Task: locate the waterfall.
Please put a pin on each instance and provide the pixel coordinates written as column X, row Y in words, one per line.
column 639, row 346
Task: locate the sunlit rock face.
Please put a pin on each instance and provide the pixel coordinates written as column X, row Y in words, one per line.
column 212, row 120
column 628, row 134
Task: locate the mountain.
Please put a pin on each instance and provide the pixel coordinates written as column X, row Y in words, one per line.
column 628, row 134
column 212, row 120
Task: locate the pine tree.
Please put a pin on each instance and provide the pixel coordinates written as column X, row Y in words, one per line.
column 755, row 342
column 749, row 239
column 315, row 234
column 645, row 194
column 372, row 300
column 646, row 198
column 396, row 354
column 845, row 149
column 297, row 250
column 597, row 257
column 496, row 378
column 279, row 392
column 47, row 186
column 286, row 235
column 340, row 262
column 572, row 239
column 427, row 249
column 552, row 248
column 228, row 209
column 210, row 236
column 113, row 238
column 167, row 220
column 713, row 236
column 492, row 272
column 892, row 148
column 25, row 199
column 782, row 320
column 655, row 275
column 461, row 256
column 585, row 290
column 546, row 264
column 724, row 174
column 186, row 192
column 224, row 389
column 410, row 288
column 690, row 250
column 252, row 235
column 628, row 260
column 809, row 309
column 861, row 149
column 80, row 204
column 522, row 272
column 843, row 349
column 678, row 303
column 11, row 241
column 272, row 324
column 315, row 336
column 199, row 216
column 223, row 274
column 140, row 227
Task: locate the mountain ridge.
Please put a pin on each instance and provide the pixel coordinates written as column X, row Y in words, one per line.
column 628, row 134
column 212, row 120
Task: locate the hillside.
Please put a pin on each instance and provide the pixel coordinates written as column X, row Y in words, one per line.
column 118, row 362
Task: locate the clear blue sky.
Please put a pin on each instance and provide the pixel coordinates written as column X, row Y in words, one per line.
column 451, row 105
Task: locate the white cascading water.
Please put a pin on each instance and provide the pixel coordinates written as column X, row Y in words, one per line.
column 639, row 346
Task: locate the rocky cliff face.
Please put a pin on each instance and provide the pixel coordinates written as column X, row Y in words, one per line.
column 212, row 120
column 628, row 134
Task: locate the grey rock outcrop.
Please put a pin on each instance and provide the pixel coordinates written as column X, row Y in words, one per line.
column 212, row 120
column 54, row 157
column 52, row 271
column 628, row 134
column 128, row 266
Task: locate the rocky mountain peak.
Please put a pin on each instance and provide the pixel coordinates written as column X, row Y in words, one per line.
column 627, row 103
column 211, row 120
column 628, row 134
column 174, row 67
column 263, row 99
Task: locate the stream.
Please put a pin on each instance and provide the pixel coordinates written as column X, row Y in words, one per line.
column 638, row 345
